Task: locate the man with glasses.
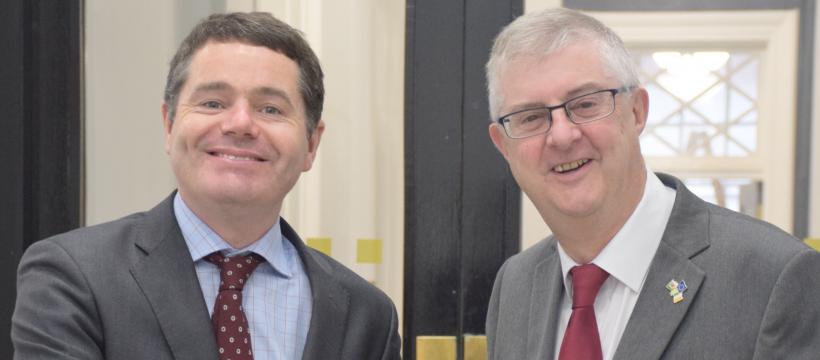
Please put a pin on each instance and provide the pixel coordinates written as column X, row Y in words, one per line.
column 637, row 267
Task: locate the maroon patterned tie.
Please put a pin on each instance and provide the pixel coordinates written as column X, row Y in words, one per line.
column 230, row 324
column 581, row 340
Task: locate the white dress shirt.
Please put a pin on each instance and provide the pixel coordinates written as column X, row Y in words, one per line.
column 626, row 258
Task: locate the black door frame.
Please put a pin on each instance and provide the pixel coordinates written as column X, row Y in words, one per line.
column 40, row 145
column 462, row 212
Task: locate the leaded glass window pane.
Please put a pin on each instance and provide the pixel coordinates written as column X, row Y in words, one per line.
column 702, row 104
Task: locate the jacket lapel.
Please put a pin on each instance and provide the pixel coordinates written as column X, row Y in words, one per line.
column 655, row 317
column 328, row 320
column 166, row 275
column 545, row 301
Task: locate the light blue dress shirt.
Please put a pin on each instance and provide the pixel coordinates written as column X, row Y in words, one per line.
column 277, row 298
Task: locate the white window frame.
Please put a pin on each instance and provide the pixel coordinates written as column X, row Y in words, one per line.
column 775, row 32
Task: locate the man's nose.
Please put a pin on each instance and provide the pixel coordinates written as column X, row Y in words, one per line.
column 563, row 132
column 239, row 121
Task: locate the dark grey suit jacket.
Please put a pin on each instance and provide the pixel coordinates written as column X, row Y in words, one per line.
column 128, row 290
column 753, row 293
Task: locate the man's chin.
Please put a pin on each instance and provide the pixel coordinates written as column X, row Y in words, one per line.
column 229, row 195
column 239, row 197
column 577, row 207
column 576, row 212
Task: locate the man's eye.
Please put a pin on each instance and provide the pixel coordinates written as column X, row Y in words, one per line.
column 530, row 118
column 586, row 104
column 212, row 104
column 271, row 110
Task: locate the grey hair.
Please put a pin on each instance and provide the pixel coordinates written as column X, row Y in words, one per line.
column 541, row 33
column 258, row 29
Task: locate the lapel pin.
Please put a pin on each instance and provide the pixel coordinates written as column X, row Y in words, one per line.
column 676, row 290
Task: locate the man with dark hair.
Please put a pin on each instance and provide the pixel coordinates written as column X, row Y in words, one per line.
column 638, row 267
column 212, row 272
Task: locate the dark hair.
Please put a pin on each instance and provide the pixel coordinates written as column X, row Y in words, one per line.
column 258, row 29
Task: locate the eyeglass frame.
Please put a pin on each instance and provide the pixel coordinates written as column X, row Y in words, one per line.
column 550, row 109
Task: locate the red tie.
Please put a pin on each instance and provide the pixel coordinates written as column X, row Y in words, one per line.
column 581, row 340
column 230, row 324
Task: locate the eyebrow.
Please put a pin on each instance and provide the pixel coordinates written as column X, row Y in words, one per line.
column 524, row 106
column 212, row 86
column 583, row 89
column 579, row 90
column 271, row 91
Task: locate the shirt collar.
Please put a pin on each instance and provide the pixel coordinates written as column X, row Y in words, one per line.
column 202, row 240
column 630, row 252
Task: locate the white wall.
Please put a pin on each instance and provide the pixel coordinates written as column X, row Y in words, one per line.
column 356, row 189
column 535, row 5
column 128, row 45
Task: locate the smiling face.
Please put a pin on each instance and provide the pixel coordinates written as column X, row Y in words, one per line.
column 591, row 171
column 239, row 135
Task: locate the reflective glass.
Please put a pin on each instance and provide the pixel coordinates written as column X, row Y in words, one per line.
column 580, row 110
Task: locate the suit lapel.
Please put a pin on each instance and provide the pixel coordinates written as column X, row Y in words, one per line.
column 331, row 301
column 655, row 317
column 548, row 287
column 166, row 275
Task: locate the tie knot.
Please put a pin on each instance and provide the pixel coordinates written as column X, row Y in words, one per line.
column 586, row 281
column 234, row 271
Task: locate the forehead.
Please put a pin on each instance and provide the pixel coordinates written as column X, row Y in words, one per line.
column 242, row 67
column 553, row 77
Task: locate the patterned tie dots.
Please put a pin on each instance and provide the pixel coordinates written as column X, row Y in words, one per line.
column 229, row 321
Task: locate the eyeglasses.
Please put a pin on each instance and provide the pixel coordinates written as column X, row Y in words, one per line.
column 580, row 110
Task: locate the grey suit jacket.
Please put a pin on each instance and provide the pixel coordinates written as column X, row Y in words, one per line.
column 128, row 290
column 753, row 293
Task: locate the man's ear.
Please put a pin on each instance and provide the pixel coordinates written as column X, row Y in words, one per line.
column 498, row 136
column 640, row 108
column 313, row 144
column 167, row 123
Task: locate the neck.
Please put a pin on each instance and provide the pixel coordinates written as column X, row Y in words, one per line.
column 584, row 245
column 583, row 238
column 238, row 224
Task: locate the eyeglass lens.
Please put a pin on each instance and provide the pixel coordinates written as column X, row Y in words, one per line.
column 581, row 110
